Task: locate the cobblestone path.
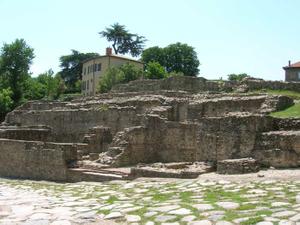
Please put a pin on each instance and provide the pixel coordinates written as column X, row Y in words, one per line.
column 195, row 202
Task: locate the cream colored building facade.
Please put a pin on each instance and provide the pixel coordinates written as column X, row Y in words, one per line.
column 94, row 68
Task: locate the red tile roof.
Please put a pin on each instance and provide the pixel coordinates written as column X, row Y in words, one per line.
column 294, row 65
column 297, row 64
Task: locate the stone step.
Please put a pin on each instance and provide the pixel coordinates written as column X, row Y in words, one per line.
column 26, row 133
column 285, row 140
column 277, row 158
column 287, row 123
column 78, row 174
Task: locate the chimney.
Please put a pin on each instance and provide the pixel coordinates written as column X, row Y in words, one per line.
column 289, row 63
column 108, row 51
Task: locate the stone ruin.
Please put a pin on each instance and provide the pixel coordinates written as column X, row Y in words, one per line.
column 177, row 127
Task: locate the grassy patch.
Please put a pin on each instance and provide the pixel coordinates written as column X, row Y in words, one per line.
column 112, row 199
column 292, row 94
column 263, row 212
column 231, row 215
column 219, row 194
column 104, row 211
column 253, row 220
column 247, row 207
column 103, row 107
column 293, row 111
column 162, row 197
column 186, row 196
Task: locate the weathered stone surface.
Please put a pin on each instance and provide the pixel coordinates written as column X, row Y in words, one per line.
column 133, row 218
column 237, row 166
column 203, row 207
column 181, row 211
column 200, row 222
column 228, row 205
column 179, row 119
column 113, row 215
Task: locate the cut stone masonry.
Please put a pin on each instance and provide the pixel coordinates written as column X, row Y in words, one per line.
column 179, row 119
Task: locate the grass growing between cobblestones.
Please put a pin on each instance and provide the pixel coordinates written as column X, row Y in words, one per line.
column 255, row 200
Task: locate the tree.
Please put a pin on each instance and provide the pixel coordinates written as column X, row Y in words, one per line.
column 154, row 54
column 155, row 71
column 111, row 77
column 16, row 59
column 131, row 72
column 6, row 102
column 46, row 86
column 123, row 74
column 237, row 77
column 53, row 85
column 178, row 57
column 71, row 71
column 123, row 41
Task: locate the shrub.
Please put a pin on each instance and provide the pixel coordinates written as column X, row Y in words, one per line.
column 155, row 71
column 111, row 77
column 131, row 72
column 6, row 102
column 237, row 77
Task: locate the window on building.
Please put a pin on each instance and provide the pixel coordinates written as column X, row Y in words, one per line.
column 298, row 75
column 88, row 85
column 99, row 67
column 84, row 71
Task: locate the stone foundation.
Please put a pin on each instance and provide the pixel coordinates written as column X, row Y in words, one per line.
column 237, row 166
column 179, row 119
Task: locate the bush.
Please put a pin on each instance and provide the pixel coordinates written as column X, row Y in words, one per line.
column 131, row 72
column 155, row 71
column 6, row 102
column 237, row 77
column 111, row 77
column 175, row 74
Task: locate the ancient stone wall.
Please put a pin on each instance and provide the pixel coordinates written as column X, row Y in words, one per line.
column 199, row 84
column 72, row 125
column 35, row 160
column 253, row 84
column 210, row 139
column 179, row 119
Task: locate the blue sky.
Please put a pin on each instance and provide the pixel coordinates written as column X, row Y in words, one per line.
column 257, row 37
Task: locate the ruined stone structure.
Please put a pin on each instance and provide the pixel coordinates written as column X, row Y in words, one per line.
column 180, row 119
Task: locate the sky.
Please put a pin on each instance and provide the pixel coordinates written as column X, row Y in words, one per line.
column 256, row 37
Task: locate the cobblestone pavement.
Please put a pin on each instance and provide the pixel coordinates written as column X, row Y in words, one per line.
column 165, row 202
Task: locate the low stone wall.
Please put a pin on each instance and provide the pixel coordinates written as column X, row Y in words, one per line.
column 177, row 83
column 200, row 84
column 35, row 160
column 253, row 84
column 237, row 166
column 24, row 133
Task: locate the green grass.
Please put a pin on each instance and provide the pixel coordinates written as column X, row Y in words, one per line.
column 215, row 195
column 293, row 111
column 247, row 207
column 186, row 196
column 263, row 212
column 253, row 220
column 162, row 197
column 231, row 215
column 292, row 94
column 112, row 199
